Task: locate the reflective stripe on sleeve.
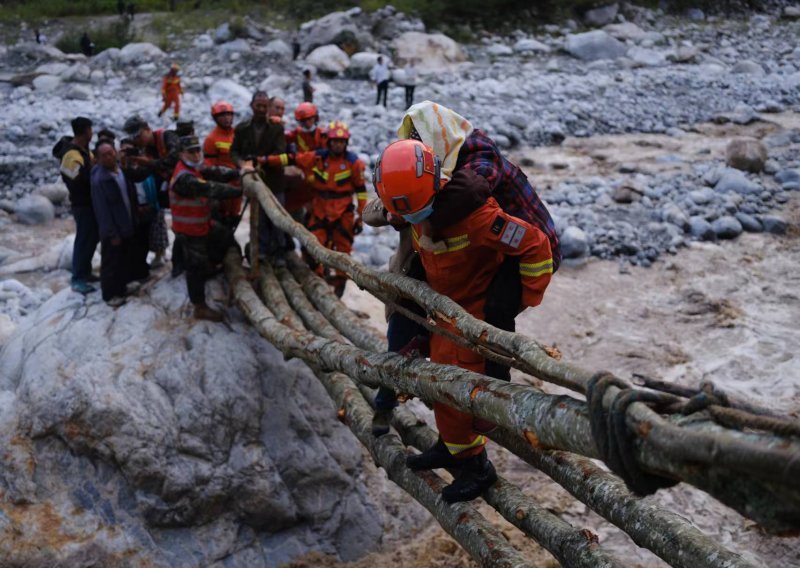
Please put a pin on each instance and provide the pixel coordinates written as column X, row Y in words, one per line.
column 534, row 269
column 455, row 449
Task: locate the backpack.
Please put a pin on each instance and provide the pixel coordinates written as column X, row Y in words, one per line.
column 63, row 145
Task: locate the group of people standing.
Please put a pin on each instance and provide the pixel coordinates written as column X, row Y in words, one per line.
column 471, row 225
column 381, row 76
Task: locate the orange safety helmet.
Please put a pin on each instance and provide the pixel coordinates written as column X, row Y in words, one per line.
column 407, row 177
column 305, row 110
column 338, row 130
column 221, row 107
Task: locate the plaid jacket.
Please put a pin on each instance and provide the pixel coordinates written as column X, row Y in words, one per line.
column 510, row 187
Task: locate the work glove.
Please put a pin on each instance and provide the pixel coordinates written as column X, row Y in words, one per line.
column 358, row 226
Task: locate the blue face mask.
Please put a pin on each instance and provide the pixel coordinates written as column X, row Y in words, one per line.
column 420, row 215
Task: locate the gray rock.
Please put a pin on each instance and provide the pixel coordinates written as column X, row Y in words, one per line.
column 434, row 52
column 598, row 17
column 46, row 83
column 727, row 227
column 628, row 31
column 329, row 59
column 208, row 436
column 231, row 91
column 239, row 45
column 52, row 68
column 684, row 54
column 34, row 210
column 528, row 46
column 791, row 12
column 574, row 243
column 223, row 33
column 702, row 196
column 746, row 154
column 748, row 67
column 107, row 56
column 626, row 194
column 361, row 64
column 499, row 50
column 695, row 14
column 135, row 53
column 749, row 223
column 646, row 57
column 594, row 45
column 788, row 178
column 97, row 77
column 203, row 41
column 701, row 229
column 278, row 49
column 674, row 215
column 736, row 182
column 773, row 224
column 56, row 192
column 80, row 93
column 380, row 255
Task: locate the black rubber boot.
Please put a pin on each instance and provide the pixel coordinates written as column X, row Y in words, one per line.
column 435, row 457
column 476, row 476
column 381, row 421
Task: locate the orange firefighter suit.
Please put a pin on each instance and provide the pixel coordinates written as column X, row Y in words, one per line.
column 171, row 92
column 334, row 179
column 299, row 192
column 461, row 264
column 217, row 152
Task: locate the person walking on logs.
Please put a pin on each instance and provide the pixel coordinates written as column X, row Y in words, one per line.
column 462, row 237
column 171, row 91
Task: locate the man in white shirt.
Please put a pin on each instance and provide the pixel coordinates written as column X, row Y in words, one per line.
column 380, row 76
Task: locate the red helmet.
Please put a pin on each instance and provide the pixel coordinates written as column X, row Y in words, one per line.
column 338, row 130
column 406, row 177
column 221, row 107
column 305, row 110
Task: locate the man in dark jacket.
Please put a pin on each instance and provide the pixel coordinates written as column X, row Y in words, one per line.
column 114, row 200
column 256, row 138
column 76, row 163
column 204, row 241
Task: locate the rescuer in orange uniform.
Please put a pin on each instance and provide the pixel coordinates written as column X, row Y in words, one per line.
column 306, row 137
column 462, row 237
column 171, row 91
column 335, row 175
column 217, row 152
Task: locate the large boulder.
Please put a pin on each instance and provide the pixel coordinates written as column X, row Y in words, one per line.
column 598, row 17
column 434, row 52
column 231, row 91
column 34, row 210
column 278, row 49
column 746, row 154
column 79, row 93
column 337, row 28
column 56, row 192
column 52, row 68
column 107, row 56
column 594, row 45
column 734, row 181
column 628, row 31
column 46, row 83
column 329, row 59
column 748, row 67
column 644, row 57
column 135, row 53
column 169, row 442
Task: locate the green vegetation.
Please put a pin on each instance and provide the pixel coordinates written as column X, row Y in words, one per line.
column 117, row 34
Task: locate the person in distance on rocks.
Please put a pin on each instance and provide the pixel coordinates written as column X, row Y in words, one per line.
column 380, row 75
column 171, row 91
column 462, row 237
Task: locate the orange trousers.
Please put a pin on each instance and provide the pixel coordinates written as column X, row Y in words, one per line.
column 336, row 235
column 171, row 99
column 455, row 427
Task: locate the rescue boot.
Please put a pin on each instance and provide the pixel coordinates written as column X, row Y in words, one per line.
column 476, row 476
column 203, row 312
column 380, row 421
column 435, row 457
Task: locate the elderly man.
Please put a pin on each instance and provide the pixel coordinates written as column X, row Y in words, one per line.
column 114, row 201
column 254, row 139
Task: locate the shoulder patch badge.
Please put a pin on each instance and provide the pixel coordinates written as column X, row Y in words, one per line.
column 513, row 234
column 497, row 226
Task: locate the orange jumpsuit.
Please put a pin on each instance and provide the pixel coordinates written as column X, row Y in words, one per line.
column 217, row 152
column 299, row 193
column 171, row 92
column 334, row 180
column 475, row 249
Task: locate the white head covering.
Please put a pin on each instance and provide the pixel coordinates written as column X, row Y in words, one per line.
column 440, row 128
